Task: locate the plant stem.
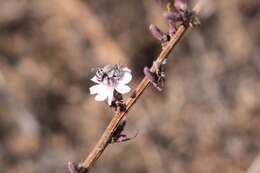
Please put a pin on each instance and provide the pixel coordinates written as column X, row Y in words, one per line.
column 94, row 155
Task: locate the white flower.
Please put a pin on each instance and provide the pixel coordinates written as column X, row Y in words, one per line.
column 108, row 79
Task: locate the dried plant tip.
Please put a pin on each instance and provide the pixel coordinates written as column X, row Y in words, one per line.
column 159, row 35
column 180, row 15
column 73, row 168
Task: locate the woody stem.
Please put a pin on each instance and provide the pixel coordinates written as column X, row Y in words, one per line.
column 102, row 143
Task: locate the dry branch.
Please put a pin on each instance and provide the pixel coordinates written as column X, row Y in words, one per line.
column 94, row 155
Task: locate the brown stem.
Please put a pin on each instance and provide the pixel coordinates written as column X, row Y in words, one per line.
column 94, row 155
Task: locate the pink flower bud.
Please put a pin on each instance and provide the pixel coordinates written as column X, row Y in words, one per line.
column 72, row 167
column 172, row 18
column 158, row 34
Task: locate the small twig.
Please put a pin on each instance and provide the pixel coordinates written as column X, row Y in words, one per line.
column 94, row 155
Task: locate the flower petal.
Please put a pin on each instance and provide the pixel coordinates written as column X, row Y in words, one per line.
column 126, row 69
column 110, row 98
column 122, row 88
column 102, row 91
column 100, row 97
column 94, row 79
column 97, row 89
column 127, row 76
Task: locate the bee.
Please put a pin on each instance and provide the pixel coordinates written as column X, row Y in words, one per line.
column 109, row 72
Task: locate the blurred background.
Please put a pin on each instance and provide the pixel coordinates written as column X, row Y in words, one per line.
column 205, row 121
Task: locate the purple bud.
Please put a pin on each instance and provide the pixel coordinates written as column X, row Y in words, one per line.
column 181, row 5
column 159, row 35
column 156, row 32
column 72, row 167
column 151, row 76
column 172, row 18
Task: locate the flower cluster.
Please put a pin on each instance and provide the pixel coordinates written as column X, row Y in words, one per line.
column 175, row 15
column 111, row 83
